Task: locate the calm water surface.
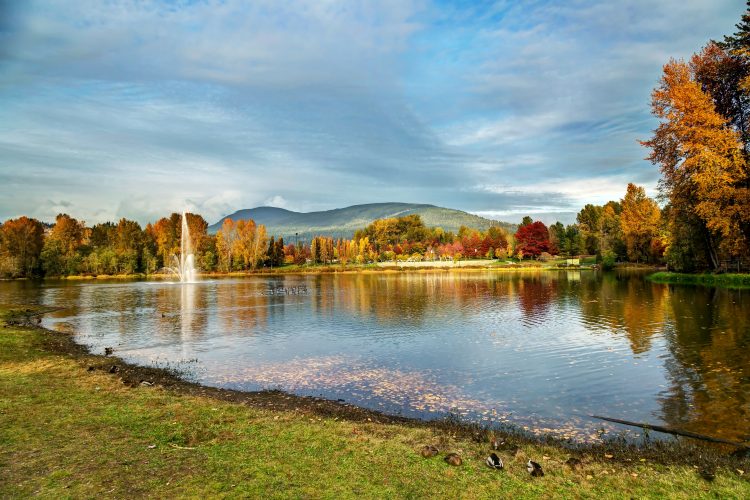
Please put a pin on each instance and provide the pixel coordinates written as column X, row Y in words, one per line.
column 540, row 350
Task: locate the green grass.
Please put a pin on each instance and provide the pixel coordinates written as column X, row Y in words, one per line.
column 68, row 432
column 721, row 280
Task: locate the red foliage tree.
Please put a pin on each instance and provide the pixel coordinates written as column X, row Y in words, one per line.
column 533, row 239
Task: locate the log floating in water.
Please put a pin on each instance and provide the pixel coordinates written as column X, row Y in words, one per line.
column 676, row 432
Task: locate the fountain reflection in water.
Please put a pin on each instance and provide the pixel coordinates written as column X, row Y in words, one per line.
column 184, row 264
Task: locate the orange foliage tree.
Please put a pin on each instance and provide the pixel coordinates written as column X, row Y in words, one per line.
column 700, row 156
column 21, row 242
column 640, row 221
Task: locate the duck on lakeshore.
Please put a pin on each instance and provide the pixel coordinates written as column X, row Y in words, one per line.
column 453, row 459
column 534, row 469
column 494, row 462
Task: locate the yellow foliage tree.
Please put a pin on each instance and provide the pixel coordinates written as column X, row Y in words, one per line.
column 701, row 160
column 640, row 220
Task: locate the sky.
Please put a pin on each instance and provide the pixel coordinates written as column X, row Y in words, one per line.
column 113, row 109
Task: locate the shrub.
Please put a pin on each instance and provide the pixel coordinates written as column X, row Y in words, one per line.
column 608, row 260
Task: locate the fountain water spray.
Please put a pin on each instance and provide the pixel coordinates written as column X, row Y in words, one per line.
column 184, row 265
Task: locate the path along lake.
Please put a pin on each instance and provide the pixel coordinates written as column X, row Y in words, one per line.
column 541, row 350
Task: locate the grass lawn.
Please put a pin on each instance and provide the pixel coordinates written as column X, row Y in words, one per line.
column 728, row 280
column 68, row 431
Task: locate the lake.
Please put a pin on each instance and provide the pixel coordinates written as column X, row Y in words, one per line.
column 540, row 350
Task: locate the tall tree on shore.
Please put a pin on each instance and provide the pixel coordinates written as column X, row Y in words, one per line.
column 225, row 241
column 271, row 252
column 60, row 255
column 21, row 242
column 533, row 239
column 701, row 161
column 723, row 75
column 128, row 245
column 166, row 233
column 590, row 220
column 640, row 221
column 279, row 251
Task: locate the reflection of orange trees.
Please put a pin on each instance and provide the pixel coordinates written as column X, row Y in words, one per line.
column 710, row 368
column 535, row 294
column 392, row 298
column 242, row 307
column 625, row 303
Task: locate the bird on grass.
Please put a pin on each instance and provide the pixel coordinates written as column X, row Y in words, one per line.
column 453, row 459
column 494, row 462
column 708, row 474
column 429, row 451
column 534, row 469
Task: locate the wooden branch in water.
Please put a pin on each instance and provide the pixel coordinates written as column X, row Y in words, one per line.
column 677, row 432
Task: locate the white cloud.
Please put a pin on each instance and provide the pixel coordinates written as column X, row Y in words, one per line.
column 136, row 109
column 276, row 201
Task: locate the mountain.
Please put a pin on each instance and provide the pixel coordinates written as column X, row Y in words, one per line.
column 342, row 222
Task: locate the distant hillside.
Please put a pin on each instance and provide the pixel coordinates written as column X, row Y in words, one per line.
column 342, row 222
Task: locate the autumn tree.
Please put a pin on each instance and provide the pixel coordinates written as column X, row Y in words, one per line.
column 149, row 256
column 225, row 243
column 200, row 241
column 60, row 254
column 279, row 251
column 701, row 161
column 533, row 239
column 167, row 237
column 557, row 237
column 589, row 221
column 250, row 243
column 722, row 74
column 495, row 242
column 275, row 252
column 640, row 222
column 21, row 242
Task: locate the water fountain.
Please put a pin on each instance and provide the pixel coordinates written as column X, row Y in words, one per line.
column 184, row 265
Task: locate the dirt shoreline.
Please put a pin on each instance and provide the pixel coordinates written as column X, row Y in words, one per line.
column 673, row 452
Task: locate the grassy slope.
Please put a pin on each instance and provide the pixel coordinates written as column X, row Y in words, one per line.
column 67, row 432
column 723, row 280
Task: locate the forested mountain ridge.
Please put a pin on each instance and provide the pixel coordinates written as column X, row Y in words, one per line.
column 343, row 222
